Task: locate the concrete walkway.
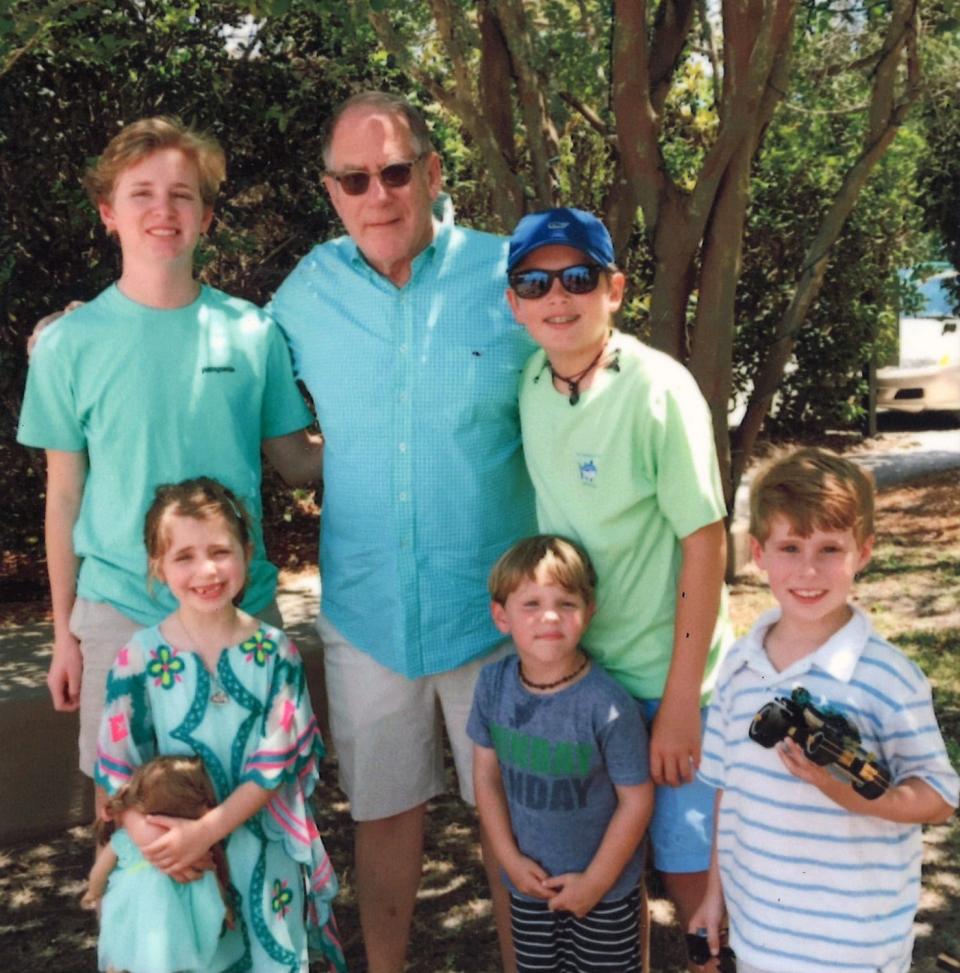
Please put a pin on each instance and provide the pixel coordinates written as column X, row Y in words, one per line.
column 38, row 754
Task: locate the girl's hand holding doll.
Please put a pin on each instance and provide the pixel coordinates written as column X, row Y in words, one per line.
column 187, row 841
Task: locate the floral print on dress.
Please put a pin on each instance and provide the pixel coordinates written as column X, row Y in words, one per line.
column 282, row 897
column 165, row 666
column 258, row 647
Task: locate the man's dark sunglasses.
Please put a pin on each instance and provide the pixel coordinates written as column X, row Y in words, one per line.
column 394, row 176
column 534, row 283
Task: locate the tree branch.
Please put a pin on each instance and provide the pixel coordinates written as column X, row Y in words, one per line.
column 509, row 202
column 590, row 116
column 641, row 175
column 713, row 53
column 42, row 22
column 670, row 29
column 887, row 114
column 542, row 141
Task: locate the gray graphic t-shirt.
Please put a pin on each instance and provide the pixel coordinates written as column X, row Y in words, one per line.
column 560, row 755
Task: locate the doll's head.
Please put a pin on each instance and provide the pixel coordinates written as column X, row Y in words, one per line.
column 174, row 786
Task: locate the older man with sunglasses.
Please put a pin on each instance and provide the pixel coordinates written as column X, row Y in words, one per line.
column 402, row 334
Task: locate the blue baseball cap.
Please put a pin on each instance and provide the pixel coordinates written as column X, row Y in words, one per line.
column 566, row 227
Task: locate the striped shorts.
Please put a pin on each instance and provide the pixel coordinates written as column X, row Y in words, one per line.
column 606, row 940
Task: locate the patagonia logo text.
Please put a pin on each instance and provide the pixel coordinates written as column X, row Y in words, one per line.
column 217, row 368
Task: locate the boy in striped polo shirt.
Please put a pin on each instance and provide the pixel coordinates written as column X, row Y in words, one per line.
column 813, row 875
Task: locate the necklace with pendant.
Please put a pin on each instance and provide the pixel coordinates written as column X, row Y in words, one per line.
column 572, row 382
column 218, row 697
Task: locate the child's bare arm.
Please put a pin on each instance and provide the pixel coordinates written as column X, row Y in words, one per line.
column 526, row 874
column 66, row 475
column 104, row 864
column 579, row 892
column 187, row 841
column 711, row 911
column 675, row 738
column 913, row 801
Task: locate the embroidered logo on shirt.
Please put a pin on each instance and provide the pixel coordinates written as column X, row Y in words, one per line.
column 217, row 368
column 587, row 465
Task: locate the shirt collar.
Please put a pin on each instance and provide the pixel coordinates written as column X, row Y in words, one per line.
column 838, row 656
column 443, row 221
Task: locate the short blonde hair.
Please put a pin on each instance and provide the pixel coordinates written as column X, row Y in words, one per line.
column 140, row 139
column 814, row 489
column 563, row 561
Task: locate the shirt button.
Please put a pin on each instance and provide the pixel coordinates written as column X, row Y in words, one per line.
column 404, row 396
column 402, row 447
column 403, row 349
column 403, row 495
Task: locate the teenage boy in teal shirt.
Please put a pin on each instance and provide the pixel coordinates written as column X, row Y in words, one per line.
column 157, row 379
column 619, row 445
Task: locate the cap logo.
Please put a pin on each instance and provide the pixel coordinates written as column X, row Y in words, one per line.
column 558, row 225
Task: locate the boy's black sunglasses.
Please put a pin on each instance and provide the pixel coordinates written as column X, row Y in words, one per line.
column 394, row 176
column 534, row 283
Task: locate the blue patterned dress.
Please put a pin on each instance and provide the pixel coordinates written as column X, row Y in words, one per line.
column 250, row 720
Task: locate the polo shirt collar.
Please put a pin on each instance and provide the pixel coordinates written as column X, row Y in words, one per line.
column 837, row 657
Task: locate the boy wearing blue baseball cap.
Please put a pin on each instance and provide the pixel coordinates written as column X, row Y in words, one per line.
column 619, row 444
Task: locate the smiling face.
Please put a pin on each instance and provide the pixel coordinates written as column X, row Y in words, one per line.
column 571, row 328
column 157, row 212
column 389, row 225
column 546, row 622
column 203, row 562
column 811, row 577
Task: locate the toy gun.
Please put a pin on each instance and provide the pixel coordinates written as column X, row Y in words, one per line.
column 826, row 737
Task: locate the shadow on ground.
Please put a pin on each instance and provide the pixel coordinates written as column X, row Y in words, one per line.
column 42, row 926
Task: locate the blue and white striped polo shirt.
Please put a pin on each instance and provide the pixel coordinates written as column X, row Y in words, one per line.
column 808, row 885
column 425, row 484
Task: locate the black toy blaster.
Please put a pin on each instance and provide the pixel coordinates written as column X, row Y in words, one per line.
column 827, row 738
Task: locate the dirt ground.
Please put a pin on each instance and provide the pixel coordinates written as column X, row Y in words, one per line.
column 912, row 588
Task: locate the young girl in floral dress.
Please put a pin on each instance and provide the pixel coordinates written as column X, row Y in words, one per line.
column 214, row 682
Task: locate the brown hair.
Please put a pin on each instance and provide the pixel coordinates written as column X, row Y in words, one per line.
column 388, row 104
column 200, row 498
column 136, row 141
column 814, row 489
column 563, row 561
column 176, row 786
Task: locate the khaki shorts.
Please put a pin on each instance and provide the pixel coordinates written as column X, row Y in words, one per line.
column 388, row 729
column 102, row 632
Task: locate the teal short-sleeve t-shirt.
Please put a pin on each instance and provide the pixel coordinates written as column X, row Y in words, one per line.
column 157, row 396
column 628, row 471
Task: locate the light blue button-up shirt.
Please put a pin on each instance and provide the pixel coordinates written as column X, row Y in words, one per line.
column 425, row 485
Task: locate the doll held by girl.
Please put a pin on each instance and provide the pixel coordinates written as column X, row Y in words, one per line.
column 150, row 923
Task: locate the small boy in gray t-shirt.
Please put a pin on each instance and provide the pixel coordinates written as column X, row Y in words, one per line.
column 560, row 767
